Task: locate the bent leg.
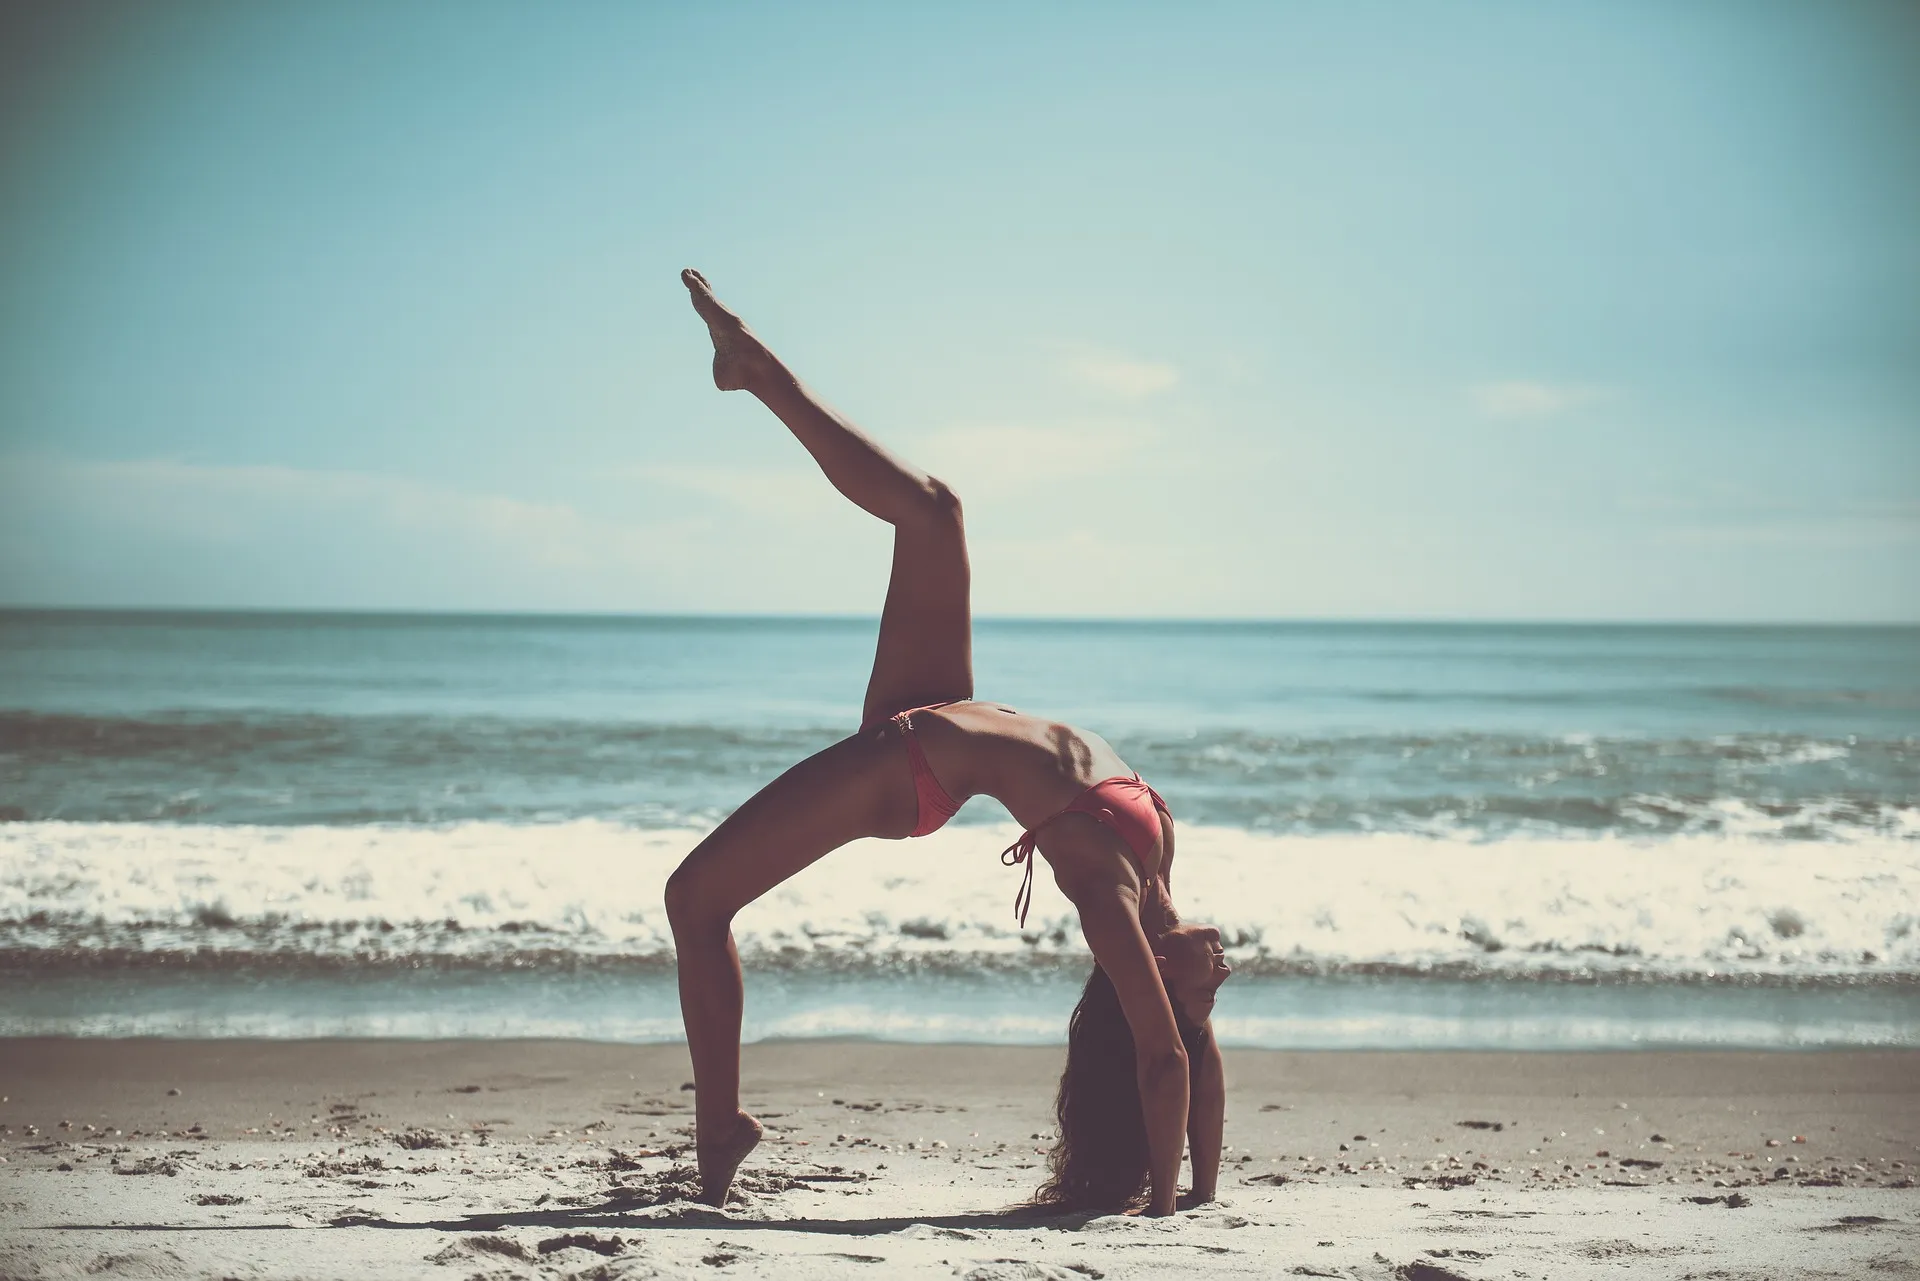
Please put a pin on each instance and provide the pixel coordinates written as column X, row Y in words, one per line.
column 845, row 792
column 925, row 649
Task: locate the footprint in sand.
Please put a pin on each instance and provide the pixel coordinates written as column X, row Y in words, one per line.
column 927, row 1232
column 608, row 1245
column 483, row 1247
column 1418, row 1271
column 1028, row 1270
column 137, row 1263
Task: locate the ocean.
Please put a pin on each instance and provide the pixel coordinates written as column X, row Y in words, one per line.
column 1411, row 835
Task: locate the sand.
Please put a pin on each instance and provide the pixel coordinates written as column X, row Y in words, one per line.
column 552, row 1159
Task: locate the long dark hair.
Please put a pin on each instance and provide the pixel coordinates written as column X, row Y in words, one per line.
column 1101, row 1162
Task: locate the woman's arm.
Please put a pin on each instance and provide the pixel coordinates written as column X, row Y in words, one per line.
column 1110, row 919
column 1206, row 1115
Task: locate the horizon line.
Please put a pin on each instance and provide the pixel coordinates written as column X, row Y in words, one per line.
column 1408, row 620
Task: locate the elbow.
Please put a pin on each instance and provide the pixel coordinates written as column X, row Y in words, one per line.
column 1164, row 1070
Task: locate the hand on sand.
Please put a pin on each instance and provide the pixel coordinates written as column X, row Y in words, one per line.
column 738, row 356
column 721, row 1156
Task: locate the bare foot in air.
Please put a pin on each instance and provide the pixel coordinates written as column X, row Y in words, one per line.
column 720, row 1158
column 738, row 355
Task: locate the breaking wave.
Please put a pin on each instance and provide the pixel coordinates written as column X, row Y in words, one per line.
column 586, row 893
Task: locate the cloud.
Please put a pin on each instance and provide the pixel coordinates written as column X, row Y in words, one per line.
column 166, row 531
column 1116, row 375
column 1522, row 399
column 1043, row 451
column 787, row 492
column 1114, row 572
column 1865, row 524
column 1731, row 515
column 985, row 461
column 222, row 501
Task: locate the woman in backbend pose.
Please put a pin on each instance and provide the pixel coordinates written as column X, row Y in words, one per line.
column 1143, row 1073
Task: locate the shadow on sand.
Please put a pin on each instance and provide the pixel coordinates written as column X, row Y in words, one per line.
column 614, row 1214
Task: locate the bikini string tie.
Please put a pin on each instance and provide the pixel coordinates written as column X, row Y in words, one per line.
column 1021, row 851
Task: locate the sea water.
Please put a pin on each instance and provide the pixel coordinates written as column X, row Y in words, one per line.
column 1409, row 834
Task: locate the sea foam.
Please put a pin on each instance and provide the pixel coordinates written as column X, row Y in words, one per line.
column 589, row 893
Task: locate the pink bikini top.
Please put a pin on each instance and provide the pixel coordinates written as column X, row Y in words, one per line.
column 1127, row 805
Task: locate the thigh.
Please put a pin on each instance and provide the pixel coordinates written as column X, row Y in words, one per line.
column 850, row 790
column 925, row 650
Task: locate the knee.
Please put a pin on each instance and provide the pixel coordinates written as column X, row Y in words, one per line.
column 939, row 504
column 689, row 901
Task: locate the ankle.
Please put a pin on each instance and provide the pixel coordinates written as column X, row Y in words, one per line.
column 768, row 379
column 722, row 1128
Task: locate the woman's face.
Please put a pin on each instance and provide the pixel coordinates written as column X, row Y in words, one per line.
column 1193, row 965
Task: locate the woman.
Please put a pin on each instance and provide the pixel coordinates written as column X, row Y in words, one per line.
column 924, row 746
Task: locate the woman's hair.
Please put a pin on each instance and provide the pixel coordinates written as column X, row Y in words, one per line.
column 1101, row 1161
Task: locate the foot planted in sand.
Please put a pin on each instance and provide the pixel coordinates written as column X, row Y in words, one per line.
column 721, row 1157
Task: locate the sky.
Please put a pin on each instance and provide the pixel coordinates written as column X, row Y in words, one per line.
column 1602, row 311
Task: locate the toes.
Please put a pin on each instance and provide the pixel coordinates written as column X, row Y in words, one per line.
column 709, row 307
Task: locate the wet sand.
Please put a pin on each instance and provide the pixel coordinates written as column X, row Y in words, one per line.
column 569, row 1159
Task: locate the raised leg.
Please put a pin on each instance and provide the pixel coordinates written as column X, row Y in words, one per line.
column 925, row 649
column 847, row 791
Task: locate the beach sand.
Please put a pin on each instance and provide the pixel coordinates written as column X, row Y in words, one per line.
column 500, row 1159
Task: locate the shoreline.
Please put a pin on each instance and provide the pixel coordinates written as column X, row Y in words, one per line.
column 407, row 1157
column 1023, row 1006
